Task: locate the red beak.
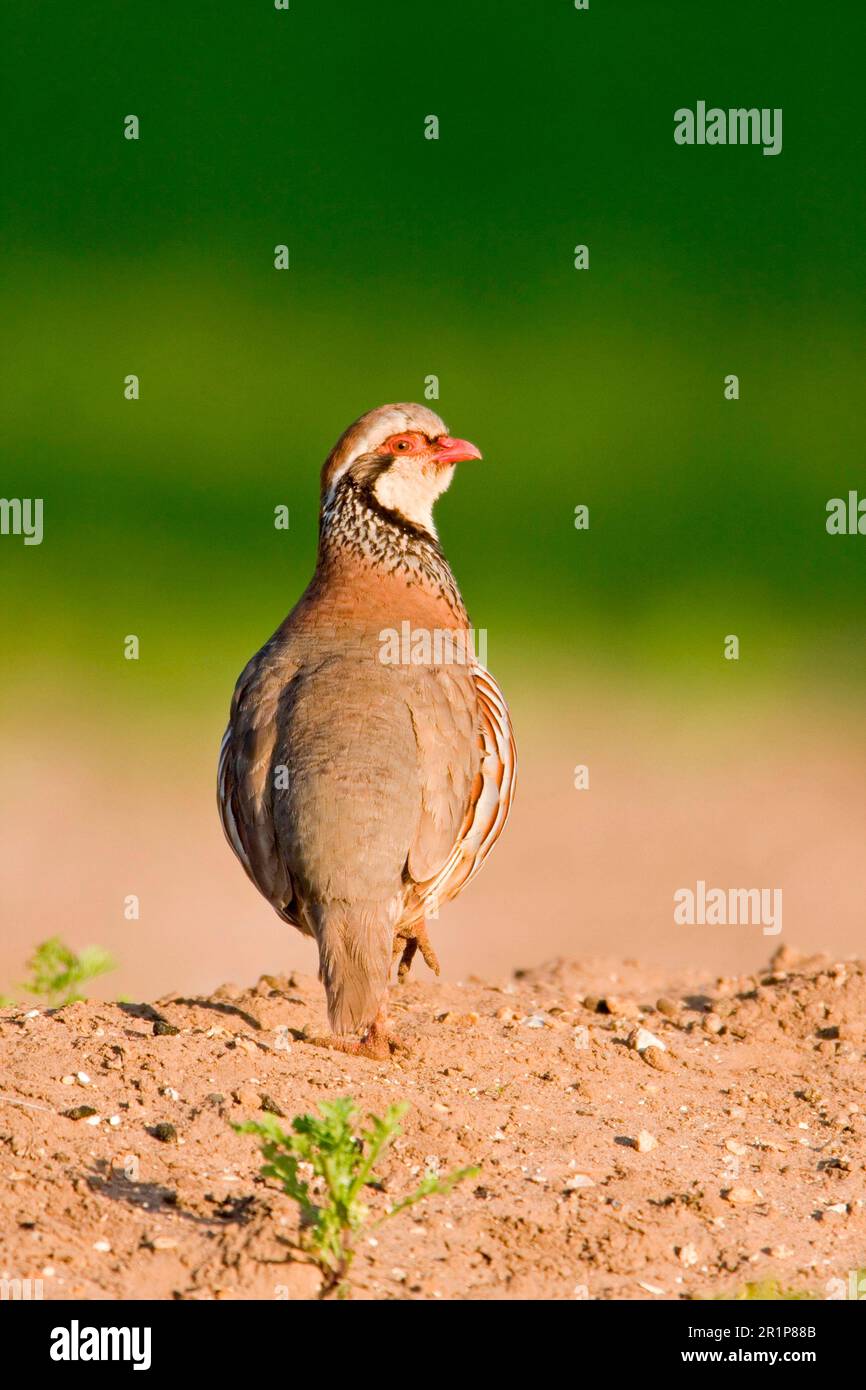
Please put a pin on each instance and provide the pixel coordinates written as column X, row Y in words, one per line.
column 450, row 450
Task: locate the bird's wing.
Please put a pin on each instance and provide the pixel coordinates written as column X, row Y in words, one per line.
column 245, row 786
column 450, row 848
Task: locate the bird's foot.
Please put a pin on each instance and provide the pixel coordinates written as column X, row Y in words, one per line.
column 377, row 1044
column 410, row 943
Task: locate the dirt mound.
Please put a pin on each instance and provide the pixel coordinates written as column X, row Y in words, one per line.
column 639, row 1136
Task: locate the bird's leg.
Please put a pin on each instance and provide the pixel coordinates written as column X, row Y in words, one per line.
column 418, row 940
column 377, row 1042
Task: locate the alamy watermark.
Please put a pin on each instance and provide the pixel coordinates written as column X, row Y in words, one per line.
column 720, row 907
column 846, row 516
column 738, row 125
column 21, row 1290
column 437, row 646
column 22, row 516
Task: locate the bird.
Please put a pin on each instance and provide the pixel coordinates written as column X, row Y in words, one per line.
column 363, row 781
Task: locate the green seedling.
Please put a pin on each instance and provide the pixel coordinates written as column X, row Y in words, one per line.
column 342, row 1164
column 764, row 1290
column 56, row 971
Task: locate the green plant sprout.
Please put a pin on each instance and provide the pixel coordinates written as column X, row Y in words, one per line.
column 343, row 1162
column 764, row 1290
column 57, row 971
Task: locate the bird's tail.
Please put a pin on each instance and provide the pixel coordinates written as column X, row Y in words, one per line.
column 355, row 942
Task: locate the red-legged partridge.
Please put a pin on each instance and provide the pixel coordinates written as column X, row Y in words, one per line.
column 368, row 766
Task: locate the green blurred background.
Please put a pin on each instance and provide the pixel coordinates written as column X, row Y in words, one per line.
column 411, row 257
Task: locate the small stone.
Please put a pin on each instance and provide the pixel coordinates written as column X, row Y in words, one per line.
column 712, row 1023
column 734, row 1146
column 79, row 1112
column 68, row 1080
column 687, row 1255
column 83, row 1078
column 165, row 1133
column 163, row 1029
column 271, row 1106
column 103, row 1246
column 232, row 991
column 742, row 1196
column 620, row 1008
column 645, row 1142
column 784, row 957
column 668, row 1007
column 577, row 1181
column 163, row 1243
column 170, row 1093
column 639, row 1039
column 656, row 1057
column 247, row 1097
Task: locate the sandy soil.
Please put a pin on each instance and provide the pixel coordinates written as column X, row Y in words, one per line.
column 751, row 1163
column 744, row 799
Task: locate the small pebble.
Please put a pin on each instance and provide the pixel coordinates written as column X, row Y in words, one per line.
column 742, row 1196
column 657, row 1057
column 645, row 1142
column 639, row 1039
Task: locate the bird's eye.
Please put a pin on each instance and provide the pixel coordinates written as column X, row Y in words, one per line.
column 402, row 446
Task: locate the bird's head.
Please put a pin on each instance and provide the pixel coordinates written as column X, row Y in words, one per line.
column 400, row 458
